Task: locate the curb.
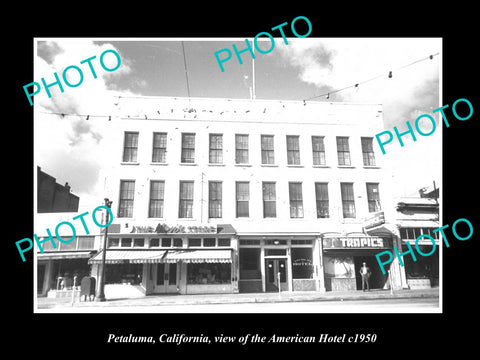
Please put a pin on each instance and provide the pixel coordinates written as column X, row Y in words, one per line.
column 139, row 302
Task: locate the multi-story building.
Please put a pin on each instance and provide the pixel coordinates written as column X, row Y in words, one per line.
column 224, row 195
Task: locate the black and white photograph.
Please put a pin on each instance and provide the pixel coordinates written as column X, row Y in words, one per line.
column 235, row 184
column 231, row 190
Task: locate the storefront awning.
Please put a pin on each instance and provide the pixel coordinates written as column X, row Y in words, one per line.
column 163, row 256
column 200, row 256
column 64, row 255
column 418, row 223
column 129, row 256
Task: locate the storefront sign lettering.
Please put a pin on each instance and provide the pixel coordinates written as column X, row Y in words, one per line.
column 176, row 229
column 353, row 242
column 302, row 262
column 362, row 242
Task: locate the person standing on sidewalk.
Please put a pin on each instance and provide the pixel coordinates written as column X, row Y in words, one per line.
column 366, row 273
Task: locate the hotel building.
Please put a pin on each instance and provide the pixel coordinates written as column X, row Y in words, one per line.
column 228, row 195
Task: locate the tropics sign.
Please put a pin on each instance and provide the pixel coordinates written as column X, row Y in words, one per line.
column 353, row 242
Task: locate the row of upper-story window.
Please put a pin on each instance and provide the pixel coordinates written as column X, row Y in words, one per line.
column 242, row 156
column 243, row 200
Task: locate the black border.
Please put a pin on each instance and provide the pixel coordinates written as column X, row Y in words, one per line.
column 407, row 334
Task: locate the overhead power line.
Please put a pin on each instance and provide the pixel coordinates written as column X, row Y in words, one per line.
column 356, row 85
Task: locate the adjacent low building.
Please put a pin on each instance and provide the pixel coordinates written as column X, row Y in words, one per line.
column 417, row 216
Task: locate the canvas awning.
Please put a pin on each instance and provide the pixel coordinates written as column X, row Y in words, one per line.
column 163, row 256
column 199, row 256
column 64, row 255
column 129, row 256
column 418, row 223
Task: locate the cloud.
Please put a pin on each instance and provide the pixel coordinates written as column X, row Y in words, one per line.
column 332, row 64
column 68, row 146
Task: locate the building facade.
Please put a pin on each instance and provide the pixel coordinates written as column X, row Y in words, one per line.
column 226, row 196
column 53, row 197
column 416, row 217
column 222, row 195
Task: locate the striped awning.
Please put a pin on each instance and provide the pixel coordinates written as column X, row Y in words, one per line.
column 163, row 256
column 200, row 256
column 129, row 256
column 64, row 255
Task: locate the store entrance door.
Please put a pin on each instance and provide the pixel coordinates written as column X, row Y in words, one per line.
column 166, row 278
column 276, row 274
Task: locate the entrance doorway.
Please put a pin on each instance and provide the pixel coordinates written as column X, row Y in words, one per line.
column 274, row 268
column 377, row 279
column 166, row 278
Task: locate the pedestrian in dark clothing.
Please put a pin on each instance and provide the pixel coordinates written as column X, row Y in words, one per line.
column 365, row 272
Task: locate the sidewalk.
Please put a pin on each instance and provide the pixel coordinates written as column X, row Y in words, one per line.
column 298, row 296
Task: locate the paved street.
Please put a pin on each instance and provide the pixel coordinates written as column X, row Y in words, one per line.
column 393, row 305
column 351, row 306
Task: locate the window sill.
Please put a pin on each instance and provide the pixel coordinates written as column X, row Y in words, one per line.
column 213, row 164
column 321, row 166
column 129, row 163
column 269, row 165
column 243, row 165
column 295, row 166
column 371, row 167
column 346, row 167
column 158, row 164
column 188, row 164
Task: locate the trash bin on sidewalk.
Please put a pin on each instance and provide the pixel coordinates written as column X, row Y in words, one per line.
column 87, row 288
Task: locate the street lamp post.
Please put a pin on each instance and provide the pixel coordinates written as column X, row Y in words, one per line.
column 101, row 281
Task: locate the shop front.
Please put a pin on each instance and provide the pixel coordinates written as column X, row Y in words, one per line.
column 60, row 270
column 142, row 263
column 273, row 263
column 424, row 272
column 343, row 256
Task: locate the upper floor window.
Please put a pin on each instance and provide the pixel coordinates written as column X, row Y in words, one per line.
column 214, row 199
column 186, row 200
column 267, row 145
column 157, row 190
column 241, row 149
column 125, row 204
column 130, row 147
column 343, row 151
column 243, row 198
column 296, row 199
column 367, row 152
column 318, row 149
column 321, row 195
column 373, row 197
column 188, row 148
column 159, row 152
column 348, row 200
column 269, row 200
column 215, row 149
column 293, row 150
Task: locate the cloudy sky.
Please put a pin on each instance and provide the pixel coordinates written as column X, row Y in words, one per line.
column 69, row 148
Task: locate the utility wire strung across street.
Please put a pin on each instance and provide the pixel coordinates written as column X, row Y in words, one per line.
column 326, row 95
